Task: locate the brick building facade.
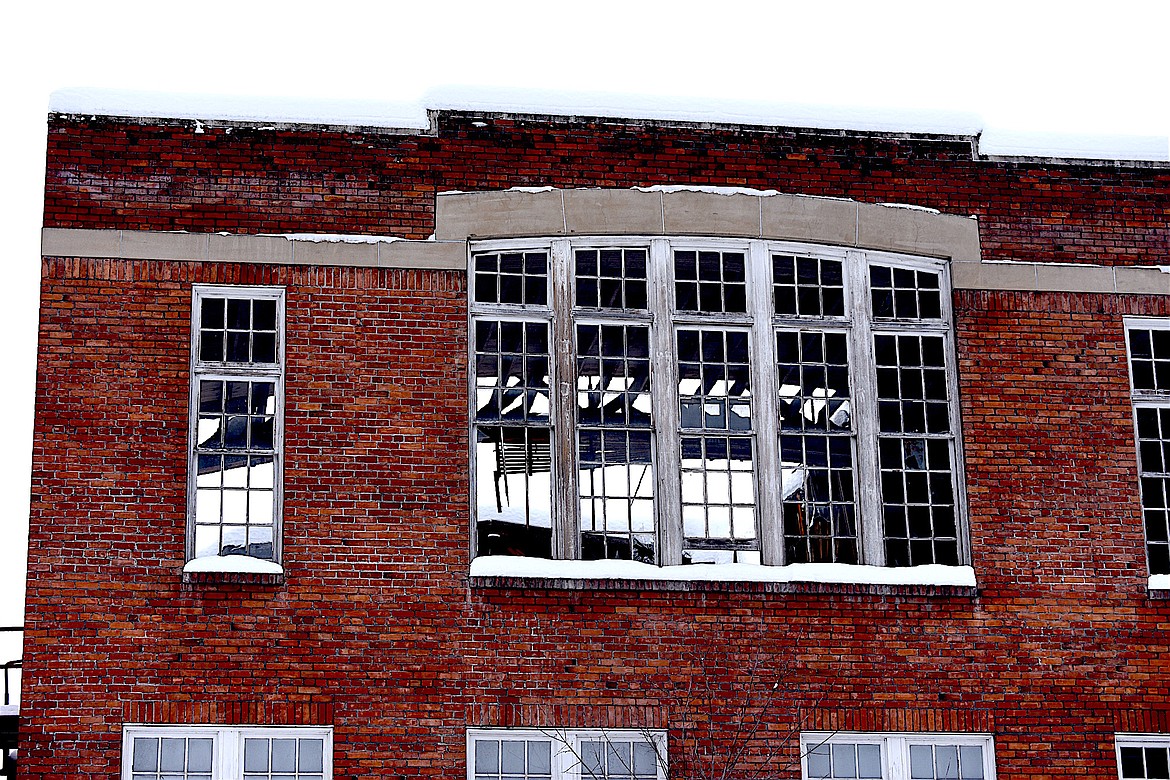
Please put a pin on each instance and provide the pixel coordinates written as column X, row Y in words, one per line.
column 183, row 304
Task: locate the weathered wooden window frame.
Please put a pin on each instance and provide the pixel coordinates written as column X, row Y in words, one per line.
column 1143, row 399
column 227, row 744
column 763, row 323
column 229, row 371
column 566, row 746
column 895, row 748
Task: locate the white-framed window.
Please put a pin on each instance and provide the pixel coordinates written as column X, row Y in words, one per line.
column 566, row 754
column 1148, row 346
column 865, row 756
column 201, row 752
column 1143, row 756
column 693, row 400
column 236, row 422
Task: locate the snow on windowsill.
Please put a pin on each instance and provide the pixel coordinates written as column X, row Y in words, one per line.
column 9, row 709
column 1159, row 582
column 232, row 564
column 338, row 238
column 540, row 568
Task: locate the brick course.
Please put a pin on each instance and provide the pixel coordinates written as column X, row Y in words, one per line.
column 375, row 629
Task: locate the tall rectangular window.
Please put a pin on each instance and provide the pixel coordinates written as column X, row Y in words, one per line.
column 694, row 400
column 1148, row 341
column 237, row 392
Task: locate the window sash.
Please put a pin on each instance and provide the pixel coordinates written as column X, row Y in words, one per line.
column 227, row 745
column 566, row 747
column 896, row 748
column 225, row 371
column 1158, row 744
column 762, row 322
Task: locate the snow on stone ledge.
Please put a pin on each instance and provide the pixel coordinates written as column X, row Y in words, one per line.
column 1074, row 146
column 540, row 568
column 242, row 564
column 1159, row 582
column 338, row 238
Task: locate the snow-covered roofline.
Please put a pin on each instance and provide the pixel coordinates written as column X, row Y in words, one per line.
column 414, row 116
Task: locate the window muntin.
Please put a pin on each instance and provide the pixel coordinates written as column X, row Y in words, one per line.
column 813, row 492
column 566, row 754
column 841, row 755
column 1148, row 344
column 237, row 399
column 231, row 753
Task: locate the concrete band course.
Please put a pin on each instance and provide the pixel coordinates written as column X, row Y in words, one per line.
column 460, row 217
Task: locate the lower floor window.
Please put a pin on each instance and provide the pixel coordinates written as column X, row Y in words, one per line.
column 561, row 754
column 833, row 755
column 1143, row 756
column 231, row 753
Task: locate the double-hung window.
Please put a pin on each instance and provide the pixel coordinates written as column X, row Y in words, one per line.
column 840, row 755
column 227, row 753
column 237, row 392
column 1149, row 371
column 710, row 400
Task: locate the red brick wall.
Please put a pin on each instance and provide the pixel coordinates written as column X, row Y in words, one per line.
column 104, row 173
column 376, row 631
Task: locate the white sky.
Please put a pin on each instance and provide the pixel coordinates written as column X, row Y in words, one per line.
column 1065, row 67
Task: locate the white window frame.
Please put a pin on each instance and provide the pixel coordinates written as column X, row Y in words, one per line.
column 561, row 317
column 566, row 746
column 1147, row 399
column 1131, row 740
column 228, row 371
column 227, row 758
column 895, row 748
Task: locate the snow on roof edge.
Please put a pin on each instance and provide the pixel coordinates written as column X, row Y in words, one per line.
column 995, row 142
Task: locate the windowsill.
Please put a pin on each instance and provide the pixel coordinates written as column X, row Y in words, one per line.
column 1159, row 584
column 242, row 569
column 516, row 571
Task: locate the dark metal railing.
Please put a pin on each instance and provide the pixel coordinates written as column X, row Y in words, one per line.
column 9, row 730
column 9, row 666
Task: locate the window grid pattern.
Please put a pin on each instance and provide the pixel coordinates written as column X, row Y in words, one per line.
column 710, row 281
column 236, row 411
column 613, row 759
column 717, row 475
column 713, row 514
column 237, row 330
column 1150, row 762
column 611, row 278
column 518, row 278
column 513, row 759
column 808, row 286
column 914, row 450
column 904, row 293
column 1149, row 365
column 841, row 760
column 941, row 761
column 283, row 758
column 172, row 758
column 816, row 447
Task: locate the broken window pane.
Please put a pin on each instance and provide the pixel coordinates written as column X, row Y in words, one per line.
column 611, row 278
column 512, row 372
column 904, row 293
column 816, row 447
column 710, row 281
column 616, row 484
column 613, row 375
column 514, row 491
column 808, row 286
column 512, row 277
column 714, row 379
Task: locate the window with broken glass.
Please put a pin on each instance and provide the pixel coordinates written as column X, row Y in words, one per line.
column 237, row 391
column 1148, row 341
column 690, row 400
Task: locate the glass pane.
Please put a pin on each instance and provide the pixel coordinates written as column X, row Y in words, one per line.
column 869, row 761
column 844, row 761
column 819, row 765
column 971, row 762
column 199, row 755
column 512, row 757
column 172, row 756
column 540, row 758
column 284, row 755
column 255, row 755
column 487, row 756
column 921, row 762
column 145, row 754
